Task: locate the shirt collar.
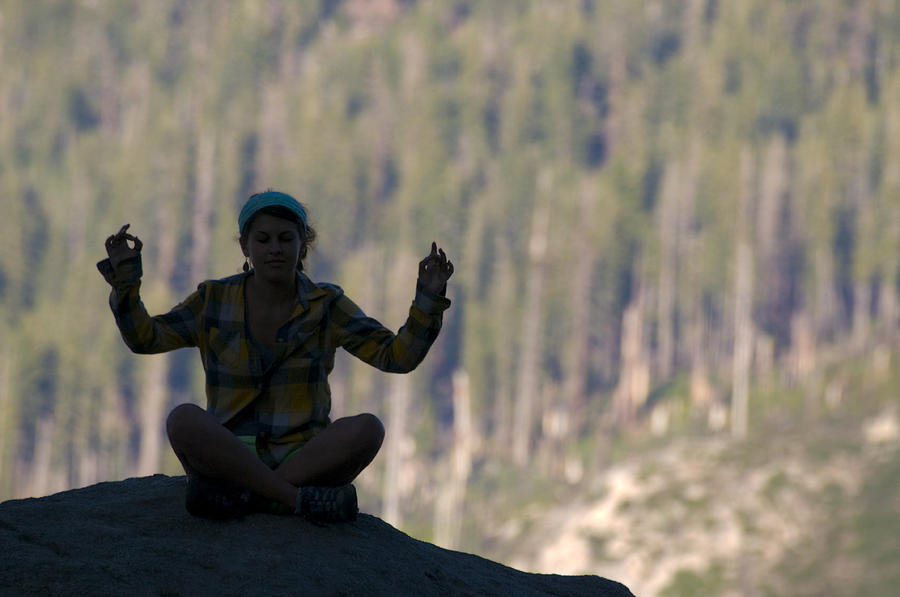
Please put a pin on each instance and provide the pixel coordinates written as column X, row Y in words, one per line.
column 306, row 291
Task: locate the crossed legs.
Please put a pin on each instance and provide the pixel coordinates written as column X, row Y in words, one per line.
column 335, row 456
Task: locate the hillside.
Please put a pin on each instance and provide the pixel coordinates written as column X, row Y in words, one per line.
column 784, row 516
column 805, row 506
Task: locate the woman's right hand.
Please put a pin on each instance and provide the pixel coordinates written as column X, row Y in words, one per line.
column 117, row 246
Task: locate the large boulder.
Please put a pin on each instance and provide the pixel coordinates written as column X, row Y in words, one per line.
column 134, row 537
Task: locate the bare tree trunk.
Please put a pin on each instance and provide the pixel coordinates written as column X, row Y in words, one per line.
column 449, row 506
column 88, row 467
column 676, row 213
column 8, row 436
column 697, row 343
column 862, row 300
column 474, row 353
column 203, row 206
column 153, row 400
column 743, row 297
column 504, row 295
column 273, row 120
column 399, row 475
column 399, row 448
column 575, row 388
column 77, row 217
column 618, row 81
column 45, row 434
column 763, row 360
column 701, row 391
column 769, row 243
column 773, row 186
column 634, row 378
column 826, row 311
column 689, row 259
column 743, row 340
column 669, row 221
column 857, row 46
column 888, row 307
column 154, row 389
column 693, row 18
column 532, row 325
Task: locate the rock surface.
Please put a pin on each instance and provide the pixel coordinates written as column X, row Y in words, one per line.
column 134, row 537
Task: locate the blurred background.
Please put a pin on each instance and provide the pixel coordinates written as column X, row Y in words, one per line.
column 672, row 353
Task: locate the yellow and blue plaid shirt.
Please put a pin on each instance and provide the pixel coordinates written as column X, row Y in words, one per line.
column 286, row 402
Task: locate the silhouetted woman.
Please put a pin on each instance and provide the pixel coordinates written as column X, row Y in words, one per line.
column 267, row 339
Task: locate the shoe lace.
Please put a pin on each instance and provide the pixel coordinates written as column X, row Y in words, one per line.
column 328, row 502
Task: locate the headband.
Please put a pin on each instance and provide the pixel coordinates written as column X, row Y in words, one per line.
column 269, row 199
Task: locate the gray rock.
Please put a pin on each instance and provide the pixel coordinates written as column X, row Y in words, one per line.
column 134, row 537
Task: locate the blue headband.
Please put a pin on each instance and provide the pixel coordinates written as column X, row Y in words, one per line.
column 269, row 199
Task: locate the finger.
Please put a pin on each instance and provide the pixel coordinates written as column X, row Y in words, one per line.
column 433, row 248
column 138, row 245
column 123, row 229
column 443, row 256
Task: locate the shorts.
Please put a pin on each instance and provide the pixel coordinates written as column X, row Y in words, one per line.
column 274, row 457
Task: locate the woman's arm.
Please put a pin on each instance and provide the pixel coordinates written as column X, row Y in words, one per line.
column 144, row 334
column 402, row 352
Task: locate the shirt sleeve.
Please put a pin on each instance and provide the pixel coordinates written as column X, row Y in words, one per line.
column 142, row 333
column 371, row 342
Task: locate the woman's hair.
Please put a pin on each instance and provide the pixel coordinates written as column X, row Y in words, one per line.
column 307, row 233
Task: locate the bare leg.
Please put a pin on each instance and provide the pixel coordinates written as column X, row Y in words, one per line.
column 337, row 454
column 206, row 448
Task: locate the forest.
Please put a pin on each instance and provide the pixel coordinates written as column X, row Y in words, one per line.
column 669, row 218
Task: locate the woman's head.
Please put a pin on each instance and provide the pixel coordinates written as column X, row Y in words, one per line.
column 273, row 221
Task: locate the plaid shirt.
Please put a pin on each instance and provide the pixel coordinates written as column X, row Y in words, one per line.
column 286, row 403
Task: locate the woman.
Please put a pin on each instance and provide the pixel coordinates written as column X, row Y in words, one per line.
column 267, row 339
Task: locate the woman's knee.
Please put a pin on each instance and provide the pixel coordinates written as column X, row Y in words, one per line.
column 181, row 421
column 369, row 432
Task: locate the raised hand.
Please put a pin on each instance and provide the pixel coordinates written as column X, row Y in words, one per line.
column 117, row 246
column 435, row 269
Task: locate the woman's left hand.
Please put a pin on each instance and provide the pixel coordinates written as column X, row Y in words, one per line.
column 435, row 270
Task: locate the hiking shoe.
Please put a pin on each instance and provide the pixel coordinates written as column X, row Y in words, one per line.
column 327, row 504
column 216, row 498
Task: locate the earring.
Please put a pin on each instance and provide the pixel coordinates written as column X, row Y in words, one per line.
column 246, row 265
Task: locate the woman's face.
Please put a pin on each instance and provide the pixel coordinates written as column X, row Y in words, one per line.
column 273, row 246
